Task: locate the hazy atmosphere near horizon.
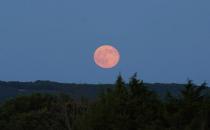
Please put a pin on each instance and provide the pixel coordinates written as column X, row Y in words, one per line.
column 162, row 40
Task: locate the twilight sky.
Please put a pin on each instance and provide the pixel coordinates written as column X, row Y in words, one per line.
column 162, row 40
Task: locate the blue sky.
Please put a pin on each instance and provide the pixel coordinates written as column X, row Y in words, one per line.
column 162, row 40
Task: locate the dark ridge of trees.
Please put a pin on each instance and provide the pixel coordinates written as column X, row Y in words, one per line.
column 126, row 107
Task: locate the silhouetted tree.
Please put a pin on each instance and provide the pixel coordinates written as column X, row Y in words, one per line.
column 131, row 106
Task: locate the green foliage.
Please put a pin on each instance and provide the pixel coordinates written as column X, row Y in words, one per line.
column 38, row 112
column 125, row 108
column 186, row 112
column 129, row 106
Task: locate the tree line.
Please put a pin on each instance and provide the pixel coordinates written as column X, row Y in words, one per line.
column 129, row 106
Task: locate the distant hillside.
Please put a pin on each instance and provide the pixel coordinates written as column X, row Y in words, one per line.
column 90, row 91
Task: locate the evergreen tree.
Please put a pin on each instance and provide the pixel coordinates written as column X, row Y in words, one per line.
column 136, row 86
column 192, row 93
column 120, row 88
column 144, row 106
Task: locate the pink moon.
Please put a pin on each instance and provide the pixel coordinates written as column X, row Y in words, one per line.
column 106, row 56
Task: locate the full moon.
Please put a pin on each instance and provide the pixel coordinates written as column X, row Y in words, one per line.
column 106, row 56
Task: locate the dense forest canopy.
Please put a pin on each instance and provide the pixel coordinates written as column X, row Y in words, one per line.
column 127, row 106
column 76, row 91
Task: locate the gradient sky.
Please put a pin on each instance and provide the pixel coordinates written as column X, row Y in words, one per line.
column 162, row 40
